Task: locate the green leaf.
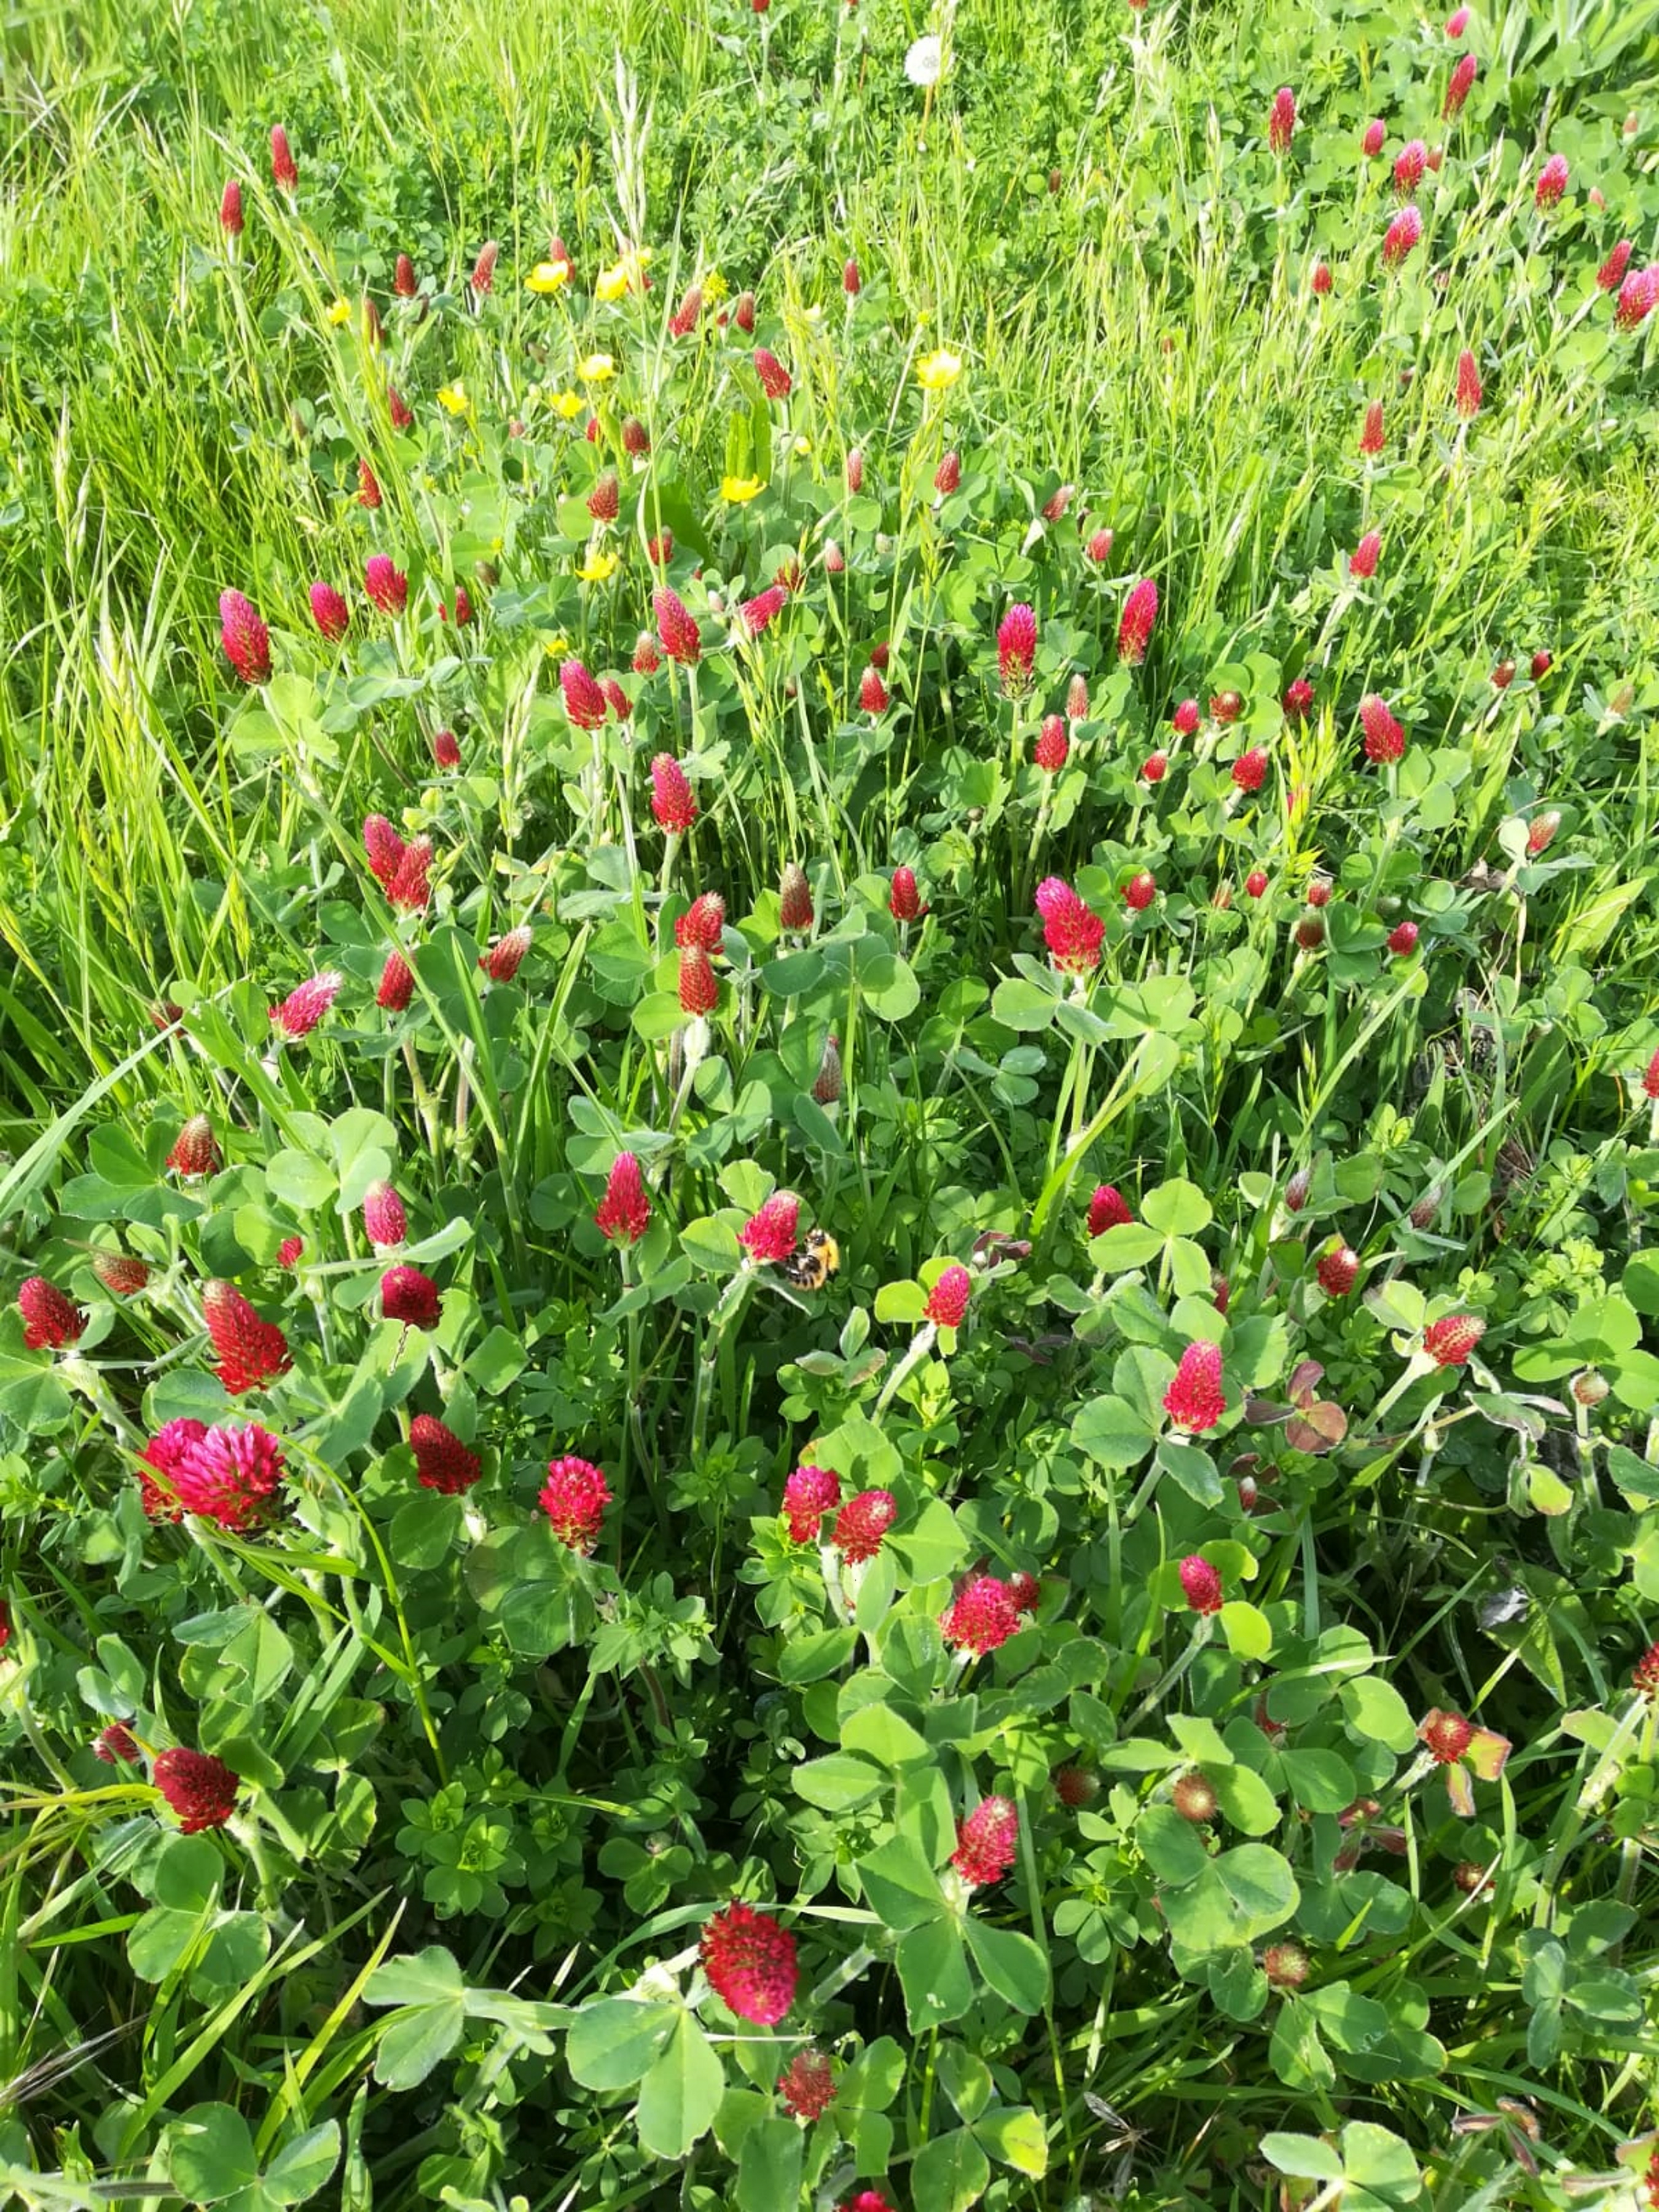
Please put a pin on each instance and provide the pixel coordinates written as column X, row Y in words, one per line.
column 1015, row 2137
column 1170, row 1846
column 1177, row 1208
column 810, row 1658
column 1261, row 1884
column 1019, row 1004
column 1112, row 1433
column 769, row 2166
column 1308, row 2158
column 1245, row 1800
column 1011, row 1964
column 1379, row 2166
column 301, row 2168
column 837, row 1783
column 933, row 1974
column 899, row 1884
column 413, row 2041
column 681, row 2094
column 613, row 2041
column 1319, row 1780
column 949, row 2173
column 296, row 1179
column 933, row 1547
column 882, row 1734
column 1192, row 1469
column 210, row 2154
column 1375, row 1711
column 1127, row 1245
column 1248, row 1632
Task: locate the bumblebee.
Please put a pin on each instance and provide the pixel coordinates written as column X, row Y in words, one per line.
column 811, row 1268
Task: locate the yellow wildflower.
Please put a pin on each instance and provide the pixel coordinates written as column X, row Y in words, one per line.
column 452, row 398
column 340, row 313
column 803, row 446
column 740, row 490
column 569, row 405
column 596, row 368
column 937, row 371
column 626, row 275
column 715, row 288
column 556, row 647
column 597, row 568
column 547, row 276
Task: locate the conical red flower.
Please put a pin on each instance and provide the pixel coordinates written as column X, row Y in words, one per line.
column 1255, row 883
column 384, row 1219
column 369, row 486
column 503, row 959
column 408, row 1296
column 1468, row 385
column 573, row 1498
column 1075, row 1786
column 987, row 1842
column 446, row 749
column 826, row 1084
column 1194, row 1399
column 1320, row 279
column 384, row 585
column 1363, row 561
column 1402, row 939
column 1611, row 275
column 1371, row 439
column 403, row 281
column 671, row 801
column 1552, row 181
column 229, row 1474
column 245, row 638
column 51, row 1321
column 810, row 1494
column 1250, row 770
column 410, row 888
column 749, row 1960
column 1401, row 236
column 584, row 702
column 1107, row 1209
column 397, row 985
column 200, row 1788
column 252, row 1352
column 284, row 171
column 1370, row 143
column 1650, row 1077
column 116, row 1746
column 120, row 1273
column 1338, row 1271
column 772, row 1234
column 196, row 1149
column 683, row 320
column 699, row 985
column 163, row 1456
column 1645, row 1676
column 903, row 901
column 1410, row 162
column 384, row 847
column 947, row 1302
column 1638, row 297
column 1141, row 890
column 1054, row 507
column 305, row 1005
column 1385, row 740
column 483, row 268
column 1446, row 1736
column 1134, row 631
column 230, row 210
column 702, row 923
column 1449, row 1341
column 329, row 612
column 807, row 2084
column 862, row 1522
column 1053, row 745
column 620, row 705
column 774, row 376
column 795, row 899
column 441, row 1459
column 1200, row 1584
column 947, row 477
column 757, row 614
column 851, row 282
column 1072, row 933
column 289, row 1251
column 463, row 608
column 1017, row 643
column 874, row 697
column 624, row 1212
column 1281, row 120
column 1458, row 89
column 681, row 639
column 1098, row 548
column 1077, row 699
column 982, row 1616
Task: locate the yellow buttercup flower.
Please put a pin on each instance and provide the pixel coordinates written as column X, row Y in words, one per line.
column 715, row 288
column 556, row 647
column 597, row 568
column 340, row 313
column 740, row 490
column 548, row 276
column 452, row 398
column 569, row 405
column 625, row 276
column 937, row 371
column 596, row 368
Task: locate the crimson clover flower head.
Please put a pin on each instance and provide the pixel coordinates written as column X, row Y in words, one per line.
column 1459, row 87
column 1281, row 120
column 1107, row 1209
column 284, row 171
column 251, row 1351
column 229, row 1474
column 807, row 2084
column 1637, row 297
column 1194, row 1399
column 604, row 501
column 826, row 1084
column 1611, row 275
column 1072, row 934
column 1370, row 143
column 702, row 923
column 502, row 960
column 584, row 702
column 1134, row 630
column 1371, row 437
column 1650, row 1077
column 409, row 1297
column 289, row 1251
column 573, row 1498
column 1250, row 770
column 681, row 638
column 1077, row 698
column 1402, row 235
column 411, row 888
column 1200, row 1584
column 750, row 1959
column 774, row 377
column 810, row 1494
column 868, row 2200
column 1320, row 279
column 383, row 1217
column 947, row 477
column 1053, row 745
column 904, row 900
column 442, row 1461
column 1299, row 699
column 1141, row 890
column 200, row 1788
column 982, row 1616
column 1645, row 1676
column 1402, row 939
column 699, row 985
column 368, row 485
column 1446, row 1736
column 862, row 1522
column 947, row 1302
column 1468, row 385
column 987, row 1842
column 304, row 1006
column 397, row 985
column 482, row 279
column 772, row 1234
column 385, row 848
column 760, row 612
column 1186, row 717
column 1338, row 1270
column 624, row 1212
column 50, row 1320
column 163, row 1456
column 1025, row 1591
column 795, row 899
column 116, row 1746
column 329, row 612
column 671, row 800
column 1363, row 561
column 874, row 697
column 1410, row 162
column 1552, row 181
column 1449, row 1341
column 1017, row 643
column 384, row 585
column 246, row 639
column 230, row 208
column 1385, row 741
column 120, row 1273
